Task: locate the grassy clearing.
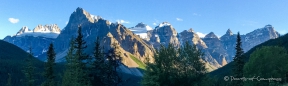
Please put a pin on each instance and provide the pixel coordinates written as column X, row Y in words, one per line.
column 140, row 63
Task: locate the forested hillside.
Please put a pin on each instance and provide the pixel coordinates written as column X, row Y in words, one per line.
column 12, row 61
column 220, row 73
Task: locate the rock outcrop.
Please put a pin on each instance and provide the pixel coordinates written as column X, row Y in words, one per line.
column 164, row 34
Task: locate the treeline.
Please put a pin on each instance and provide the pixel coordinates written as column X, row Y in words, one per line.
column 169, row 67
column 13, row 60
column 176, row 67
column 264, row 65
column 100, row 69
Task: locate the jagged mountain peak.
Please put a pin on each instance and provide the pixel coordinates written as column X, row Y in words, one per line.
column 53, row 28
column 268, row 26
column 271, row 29
column 229, row 32
column 82, row 11
column 141, row 30
column 191, row 37
column 190, row 30
column 23, row 30
column 211, row 35
column 80, row 15
column 167, row 28
column 163, row 24
column 48, row 31
column 258, row 36
column 79, row 9
column 141, row 24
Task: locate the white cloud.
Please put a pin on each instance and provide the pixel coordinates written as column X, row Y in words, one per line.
column 122, row 21
column 201, row 35
column 196, row 14
column 154, row 23
column 13, row 20
column 179, row 19
column 66, row 22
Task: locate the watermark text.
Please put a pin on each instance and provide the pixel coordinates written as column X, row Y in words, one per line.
column 254, row 78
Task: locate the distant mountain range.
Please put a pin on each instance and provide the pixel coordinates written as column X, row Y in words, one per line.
column 139, row 41
column 227, row 69
column 39, row 38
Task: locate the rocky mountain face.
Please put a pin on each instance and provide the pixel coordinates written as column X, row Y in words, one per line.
column 258, row 36
column 164, row 34
column 140, row 41
column 191, row 37
column 109, row 33
column 215, row 48
column 217, row 51
column 93, row 26
column 248, row 40
column 228, row 41
column 38, row 39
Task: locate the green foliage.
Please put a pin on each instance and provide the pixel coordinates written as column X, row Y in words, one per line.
column 49, row 67
column 113, row 56
column 76, row 73
column 81, row 59
column 140, row 63
column 29, row 70
column 226, row 70
column 267, row 62
column 9, row 80
column 69, row 78
column 13, row 60
column 238, row 63
column 172, row 67
column 99, row 65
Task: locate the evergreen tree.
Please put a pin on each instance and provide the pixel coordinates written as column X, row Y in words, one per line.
column 69, row 78
column 77, row 69
column 49, row 67
column 98, row 65
column 9, row 80
column 112, row 78
column 238, row 63
column 81, row 59
column 192, row 69
column 175, row 67
column 29, row 69
column 267, row 62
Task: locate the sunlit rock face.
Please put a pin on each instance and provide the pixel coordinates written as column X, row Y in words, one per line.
column 164, row 34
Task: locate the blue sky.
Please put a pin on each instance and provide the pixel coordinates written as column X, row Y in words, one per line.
column 202, row 15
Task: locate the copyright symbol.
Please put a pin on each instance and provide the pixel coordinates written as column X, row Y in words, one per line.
column 226, row 78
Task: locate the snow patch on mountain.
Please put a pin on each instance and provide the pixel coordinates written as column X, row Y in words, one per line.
column 95, row 17
column 141, row 30
column 201, row 35
column 164, row 24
